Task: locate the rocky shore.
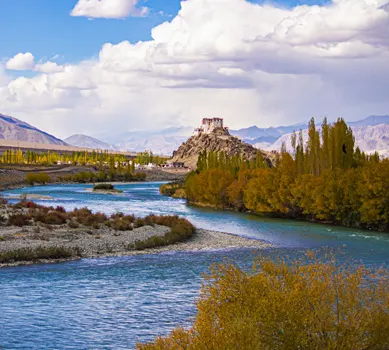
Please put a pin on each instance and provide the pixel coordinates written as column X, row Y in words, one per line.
column 204, row 240
column 30, row 234
column 101, row 242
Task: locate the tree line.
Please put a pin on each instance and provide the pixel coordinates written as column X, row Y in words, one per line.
column 95, row 158
column 325, row 178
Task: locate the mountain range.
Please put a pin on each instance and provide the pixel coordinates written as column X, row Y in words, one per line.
column 14, row 129
column 371, row 134
column 369, row 138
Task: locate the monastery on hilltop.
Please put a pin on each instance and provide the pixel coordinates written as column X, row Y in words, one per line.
column 209, row 125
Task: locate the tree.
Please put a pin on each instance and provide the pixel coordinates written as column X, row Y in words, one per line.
column 302, row 304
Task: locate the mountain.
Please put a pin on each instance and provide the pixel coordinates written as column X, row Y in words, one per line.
column 14, row 129
column 265, row 136
column 219, row 140
column 371, row 121
column 84, row 141
column 159, row 141
column 369, row 138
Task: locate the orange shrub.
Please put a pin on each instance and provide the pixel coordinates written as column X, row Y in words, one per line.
column 279, row 305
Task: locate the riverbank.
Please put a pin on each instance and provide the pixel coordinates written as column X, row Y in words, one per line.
column 16, row 176
column 80, row 243
column 176, row 190
column 31, row 233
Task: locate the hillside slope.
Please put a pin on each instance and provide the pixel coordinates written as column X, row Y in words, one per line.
column 218, row 141
column 14, row 129
column 79, row 140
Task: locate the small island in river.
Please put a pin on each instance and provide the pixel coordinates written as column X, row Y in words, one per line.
column 31, row 233
column 105, row 188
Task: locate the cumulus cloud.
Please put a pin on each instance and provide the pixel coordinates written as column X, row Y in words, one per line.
column 108, row 9
column 26, row 62
column 21, row 61
column 48, row 67
column 250, row 63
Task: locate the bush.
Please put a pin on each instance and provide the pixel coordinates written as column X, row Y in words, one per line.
column 139, row 177
column 52, row 218
column 170, row 189
column 279, row 305
column 84, row 216
column 181, row 230
column 83, row 177
column 40, row 178
column 19, row 220
column 121, row 225
column 60, row 209
column 139, row 222
column 32, row 254
column 28, row 205
column 73, row 224
column 103, row 187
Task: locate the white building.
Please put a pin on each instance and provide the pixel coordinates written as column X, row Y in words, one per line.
column 209, row 125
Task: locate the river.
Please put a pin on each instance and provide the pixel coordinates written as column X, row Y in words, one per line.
column 111, row 303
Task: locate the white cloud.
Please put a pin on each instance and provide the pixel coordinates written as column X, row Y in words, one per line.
column 48, row 67
column 250, row 63
column 108, row 9
column 21, row 61
column 26, row 62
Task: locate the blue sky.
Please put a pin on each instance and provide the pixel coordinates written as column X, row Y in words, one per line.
column 45, row 27
column 264, row 65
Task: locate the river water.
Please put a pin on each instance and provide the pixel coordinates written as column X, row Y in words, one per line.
column 111, row 303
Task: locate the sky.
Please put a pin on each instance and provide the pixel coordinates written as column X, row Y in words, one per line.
column 103, row 67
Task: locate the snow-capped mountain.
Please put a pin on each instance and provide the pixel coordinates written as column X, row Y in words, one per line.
column 264, row 136
column 15, row 129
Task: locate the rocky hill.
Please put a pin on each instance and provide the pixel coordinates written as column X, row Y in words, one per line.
column 14, row 129
column 217, row 141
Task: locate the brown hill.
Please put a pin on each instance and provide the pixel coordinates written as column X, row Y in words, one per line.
column 219, row 140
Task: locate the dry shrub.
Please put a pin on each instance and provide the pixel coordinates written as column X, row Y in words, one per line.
column 85, row 217
column 180, row 230
column 280, row 305
column 55, row 218
column 60, row 209
column 103, row 187
column 129, row 218
column 19, row 220
column 38, row 253
column 139, row 222
column 26, row 204
column 120, row 224
column 117, row 215
column 73, row 224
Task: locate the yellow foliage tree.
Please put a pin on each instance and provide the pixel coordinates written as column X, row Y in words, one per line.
column 281, row 305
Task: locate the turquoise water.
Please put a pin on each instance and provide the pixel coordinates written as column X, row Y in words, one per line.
column 110, row 303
